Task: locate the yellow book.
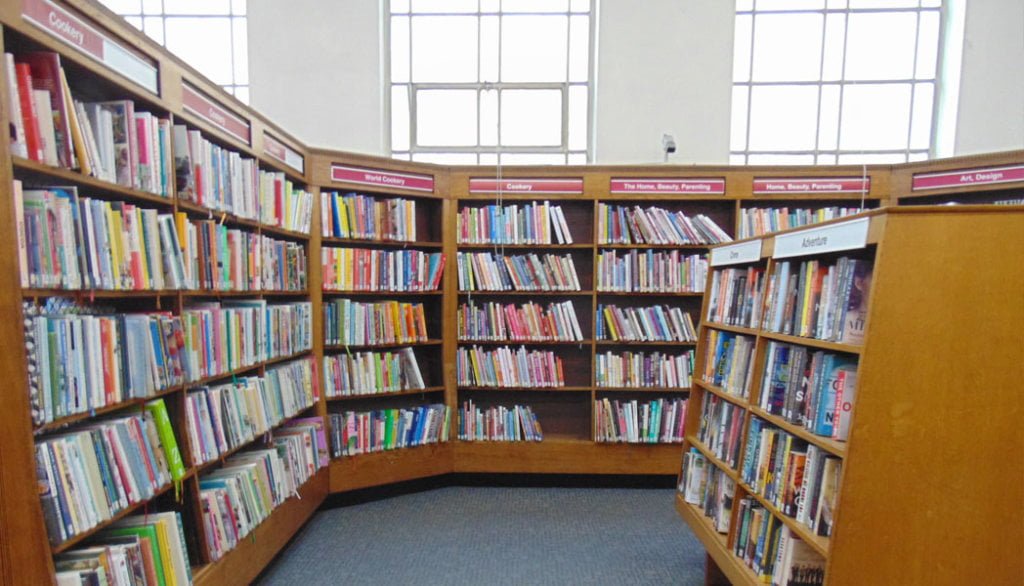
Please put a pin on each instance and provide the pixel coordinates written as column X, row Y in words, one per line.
column 163, row 541
column 114, row 237
column 611, row 323
column 808, row 303
column 343, row 212
column 76, row 129
column 147, row 281
column 289, row 197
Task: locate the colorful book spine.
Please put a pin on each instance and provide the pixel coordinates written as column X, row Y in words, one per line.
column 735, row 296
column 493, row 321
column 649, row 271
column 214, row 177
column 517, row 223
column 354, row 323
column 642, row 370
column 354, row 216
column 364, row 432
column 705, row 485
column 721, row 429
column 370, row 373
column 761, row 221
column 653, row 225
column 518, row 423
column 659, row 421
column 282, row 204
column 657, row 323
column 729, row 362
column 358, row 269
column 507, row 368
column 486, row 271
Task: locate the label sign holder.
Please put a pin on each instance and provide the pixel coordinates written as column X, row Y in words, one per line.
column 212, row 112
column 564, row 186
column 962, row 177
column 677, row 185
column 279, row 151
column 382, row 178
column 849, row 235
column 734, row 254
column 75, row 32
column 765, row 186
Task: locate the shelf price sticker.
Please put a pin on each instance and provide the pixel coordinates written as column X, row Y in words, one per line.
column 734, row 254
column 194, row 101
column 275, row 149
column 679, row 185
column 382, row 178
column 518, row 185
column 850, row 235
column 964, row 177
column 88, row 40
column 764, row 186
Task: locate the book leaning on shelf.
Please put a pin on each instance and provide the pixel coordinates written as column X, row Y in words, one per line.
column 772, row 552
column 506, row 368
column 284, row 205
column 485, row 271
column 760, row 221
column 223, row 417
column 355, row 216
column 705, row 485
column 499, row 424
column 654, row 225
column 657, row 323
column 109, row 140
column 644, row 370
column 139, row 550
column 355, row 323
column 358, row 269
column 90, row 474
column 371, row 373
column 729, row 362
column 528, row 322
column 354, row 433
column 527, row 223
column 639, row 422
column 214, row 177
column 815, row 390
column 650, row 271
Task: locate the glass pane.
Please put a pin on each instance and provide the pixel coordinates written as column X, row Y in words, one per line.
column 531, row 117
column 532, row 159
column 197, row 7
column 204, row 43
column 444, row 48
column 441, row 6
column 577, row 158
column 152, row 7
column 399, row 6
column 579, row 48
column 490, row 5
column 836, row 3
column 446, row 117
column 783, row 118
column 533, row 48
column 875, row 117
column 787, row 47
column 921, row 116
column 489, row 43
column 780, row 159
column 738, row 127
column 828, row 118
column 883, row 3
column 578, row 120
column 242, row 93
column 927, row 45
column 737, row 159
column 446, row 158
column 535, row 5
column 835, row 40
column 872, row 159
column 488, row 158
column 790, row 4
column 741, row 48
column 154, row 28
column 826, row 159
column 400, row 118
column 123, row 6
column 238, row 7
column 400, row 49
column 579, row 5
column 744, row 5
column 880, row 46
column 931, row 3
column 489, row 117
column 240, row 39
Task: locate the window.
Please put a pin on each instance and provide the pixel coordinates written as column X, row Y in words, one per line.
column 209, row 35
column 474, row 78
column 834, row 81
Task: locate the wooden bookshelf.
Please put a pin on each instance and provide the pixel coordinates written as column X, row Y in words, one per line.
column 905, row 401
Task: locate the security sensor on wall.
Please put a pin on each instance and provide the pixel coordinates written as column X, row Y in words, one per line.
column 668, row 144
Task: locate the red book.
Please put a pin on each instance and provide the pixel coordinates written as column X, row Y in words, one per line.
column 28, row 112
column 45, row 67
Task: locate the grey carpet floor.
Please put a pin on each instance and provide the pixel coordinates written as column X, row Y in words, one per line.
column 485, row 536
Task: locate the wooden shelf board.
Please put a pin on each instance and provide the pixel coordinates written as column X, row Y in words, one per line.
column 80, row 537
column 817, row 543
column 560, row 455
column 380, row 468
column 405, row 393
column 524, row 342
column 61, row 422
column 811, row 342
column 830, row 445
column 651, row 293
column 110, row 190
column 220, row 460
column 336, row 292
column 86, row 294
column 738, row 401
column 537, row 293
column 342, row 347
column 284, row 232
column 655, row 390
column 219, row 216
column 715, row 543
column 565, row 389
column 552, row 246
column 718, row 462
column 658, row 246
column 343, row 242
column 644, row 343
column 728, row 328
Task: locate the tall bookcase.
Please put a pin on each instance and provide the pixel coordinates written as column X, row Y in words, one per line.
column 920, row 353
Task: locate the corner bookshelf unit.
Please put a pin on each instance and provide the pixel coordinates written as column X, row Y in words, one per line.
column 919, row 353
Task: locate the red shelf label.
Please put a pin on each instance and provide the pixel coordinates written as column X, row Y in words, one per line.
column 364, row 176
column 494, row 185
column 813, row 185
column 668, row 185
column 961, row 177
column 278, row 150
column 197, row 103
column 74, row 31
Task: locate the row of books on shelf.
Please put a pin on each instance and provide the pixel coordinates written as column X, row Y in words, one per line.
column 640, row 422
column 492, row 321
column 622, row 224
column 498, row 424
column 799, row 479
column 239, row 496
column 656, row 323
column 525, row 223
column 223, row 417
column 138, row 550
column 729, row 362
column 735, row 296
column 371, row 373
column 82, row 358
column 215, row 177
column 761, row 221
column 644, row 370
column 354, row 432
column 284, row 205
column 360, row 269
column 67, row 242
column 91, row 474
column 356, row 323
column 819, row 299
column 814, row 390
column 486, row 271
column 507, row 368
column 721, row 428
column 649, row 271
column 364, row 217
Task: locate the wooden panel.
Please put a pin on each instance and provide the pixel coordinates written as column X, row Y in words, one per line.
column 903, row 175
column 563, row 456
column 355, row 472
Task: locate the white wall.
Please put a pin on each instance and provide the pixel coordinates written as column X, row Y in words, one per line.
column 315, row 69
column 663, row 66
column 991, row 113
